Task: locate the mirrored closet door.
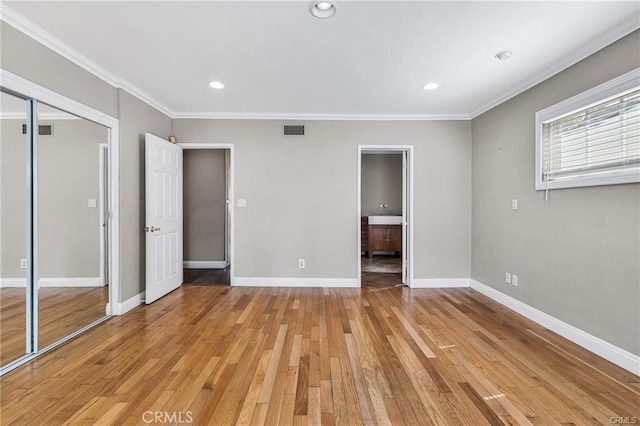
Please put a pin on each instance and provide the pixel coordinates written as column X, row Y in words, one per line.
column 53, row 227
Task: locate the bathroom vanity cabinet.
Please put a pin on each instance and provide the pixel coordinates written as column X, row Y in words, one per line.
column 384, row 238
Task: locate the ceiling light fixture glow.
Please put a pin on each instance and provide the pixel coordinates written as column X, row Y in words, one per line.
column 216, row 85
column 504, row 55
column 430, row 86
column 322, row 9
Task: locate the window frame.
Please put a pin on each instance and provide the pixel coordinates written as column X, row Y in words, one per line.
column 584, row 100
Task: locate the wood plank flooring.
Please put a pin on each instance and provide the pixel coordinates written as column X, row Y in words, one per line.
column 62, row 311
column 279, row 356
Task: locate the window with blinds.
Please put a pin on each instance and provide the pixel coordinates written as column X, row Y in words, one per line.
column 582, row 142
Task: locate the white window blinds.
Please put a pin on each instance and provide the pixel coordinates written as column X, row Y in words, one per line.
column 599, row 138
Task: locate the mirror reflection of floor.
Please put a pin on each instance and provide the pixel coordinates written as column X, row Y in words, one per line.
column 62, row 311
column 382, row 271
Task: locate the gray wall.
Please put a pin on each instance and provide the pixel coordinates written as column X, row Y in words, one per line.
column 301, row 193
column 204, row 204
column 576, row 255
column 136, row 118
column 68, row 176
column 381, row 184
column 25, row 57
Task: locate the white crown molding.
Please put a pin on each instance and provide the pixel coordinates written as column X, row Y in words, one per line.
column 27, row 27
column 30, row 29
column 587, row 50
column 606, row 350
column 43, row 37
column 317, row 116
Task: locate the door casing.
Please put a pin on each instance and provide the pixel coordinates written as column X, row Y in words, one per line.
column 407, row 209
column 230, row 225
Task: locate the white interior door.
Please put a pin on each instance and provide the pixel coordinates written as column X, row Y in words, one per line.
column 163, row 217
column 405, row 217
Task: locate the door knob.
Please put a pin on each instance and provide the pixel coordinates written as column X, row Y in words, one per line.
column 151, row 229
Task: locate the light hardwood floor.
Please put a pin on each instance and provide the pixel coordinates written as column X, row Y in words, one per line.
column 62, row 311
column 277, row 356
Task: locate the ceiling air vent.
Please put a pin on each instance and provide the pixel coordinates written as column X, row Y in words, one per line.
column 43, row 129
column 293, row 130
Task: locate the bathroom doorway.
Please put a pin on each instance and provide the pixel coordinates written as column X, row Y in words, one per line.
column 384, row 215
column 206, row 206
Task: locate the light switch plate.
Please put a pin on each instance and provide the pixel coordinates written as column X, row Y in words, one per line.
column 93, row 203
column 514, row 204
column 242, row 202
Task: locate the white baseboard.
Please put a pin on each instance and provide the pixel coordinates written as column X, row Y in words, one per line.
column 440, row 282
column 53, row 282
column 294, row 282
column 606, row 350
column 13, row 282
column 205, row 264
column 127, row 305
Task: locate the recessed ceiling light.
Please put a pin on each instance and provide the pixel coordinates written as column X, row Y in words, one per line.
column 322, row 9
column 430, row 86
column 504, row 55
column 216, row 85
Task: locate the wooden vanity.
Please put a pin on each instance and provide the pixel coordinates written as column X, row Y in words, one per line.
column 385, row 238
column 379, row 237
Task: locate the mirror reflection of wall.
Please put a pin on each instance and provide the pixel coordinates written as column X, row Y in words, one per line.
column 13, row 231
column 72, row 288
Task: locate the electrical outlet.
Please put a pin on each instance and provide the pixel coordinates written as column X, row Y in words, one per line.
column 507, row 278
column 301, row 263
column 23, row 263
column 514, row 280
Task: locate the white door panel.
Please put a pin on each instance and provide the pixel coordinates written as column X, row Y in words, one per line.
column 163, row 200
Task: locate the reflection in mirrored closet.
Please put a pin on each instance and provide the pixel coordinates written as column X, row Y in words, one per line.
column 53, row 227
column 14, row 146
column 72, row 291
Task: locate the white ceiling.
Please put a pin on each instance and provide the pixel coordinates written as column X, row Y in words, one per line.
column 369, row 61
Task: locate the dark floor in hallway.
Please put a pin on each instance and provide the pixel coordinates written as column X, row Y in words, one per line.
column 207, row 276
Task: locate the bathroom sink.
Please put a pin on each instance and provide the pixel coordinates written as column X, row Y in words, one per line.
column 385, row 220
